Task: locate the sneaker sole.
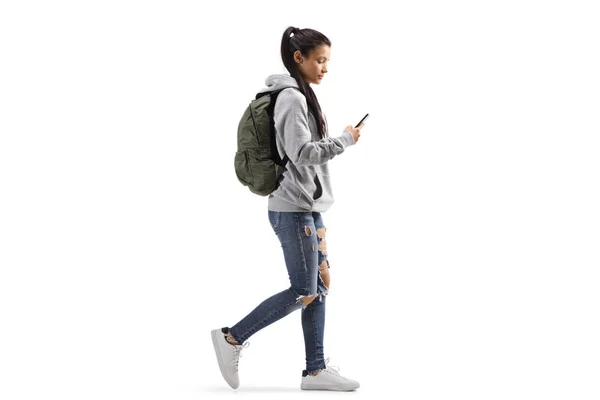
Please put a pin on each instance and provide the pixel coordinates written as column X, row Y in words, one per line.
column 215, row 339
column 341, row 388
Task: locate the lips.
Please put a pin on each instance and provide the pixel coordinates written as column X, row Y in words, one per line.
column 321, row 76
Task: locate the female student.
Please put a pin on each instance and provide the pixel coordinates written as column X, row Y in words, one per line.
column 294, row 211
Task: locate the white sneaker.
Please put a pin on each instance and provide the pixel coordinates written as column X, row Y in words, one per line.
column 328, row 379
column 228, row 356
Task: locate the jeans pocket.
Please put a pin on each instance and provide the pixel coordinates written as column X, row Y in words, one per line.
column 275, row 219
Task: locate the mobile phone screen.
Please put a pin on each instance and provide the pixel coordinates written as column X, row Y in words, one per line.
column 362, row 120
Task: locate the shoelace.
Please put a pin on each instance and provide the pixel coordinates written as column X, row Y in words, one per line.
column 332, row 369
column 237, row 353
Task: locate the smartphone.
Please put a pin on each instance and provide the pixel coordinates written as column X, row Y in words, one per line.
column 363, row 120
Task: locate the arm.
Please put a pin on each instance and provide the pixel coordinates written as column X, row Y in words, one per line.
column 291, row 122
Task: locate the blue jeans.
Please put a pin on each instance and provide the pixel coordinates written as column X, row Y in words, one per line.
column 301, row 235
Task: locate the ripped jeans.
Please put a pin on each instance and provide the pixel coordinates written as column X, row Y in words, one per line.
column 302, row 237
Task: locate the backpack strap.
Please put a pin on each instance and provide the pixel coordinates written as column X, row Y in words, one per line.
column 272, row 136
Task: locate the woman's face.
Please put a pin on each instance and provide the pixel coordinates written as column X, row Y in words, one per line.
column 314, row 67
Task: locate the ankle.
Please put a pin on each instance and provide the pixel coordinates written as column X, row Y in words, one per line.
column 230, row 339
column 312, row 373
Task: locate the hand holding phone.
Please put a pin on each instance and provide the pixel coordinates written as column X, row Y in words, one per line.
column 356, row 131
column 362, row 120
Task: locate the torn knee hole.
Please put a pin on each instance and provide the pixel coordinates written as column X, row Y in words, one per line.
column 306, row 300
column 307, row 230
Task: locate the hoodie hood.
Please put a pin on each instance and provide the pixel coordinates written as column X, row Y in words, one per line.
column 279, row 81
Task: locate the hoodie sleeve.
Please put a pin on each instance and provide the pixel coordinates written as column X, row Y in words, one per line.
column 291, row 124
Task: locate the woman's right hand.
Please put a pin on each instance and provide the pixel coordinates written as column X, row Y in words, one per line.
column 355, row 131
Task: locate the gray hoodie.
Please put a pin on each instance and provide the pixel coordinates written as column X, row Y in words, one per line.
column 305, row 184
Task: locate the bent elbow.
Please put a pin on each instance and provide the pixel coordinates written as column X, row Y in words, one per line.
column 300, row 161
column 301, row 157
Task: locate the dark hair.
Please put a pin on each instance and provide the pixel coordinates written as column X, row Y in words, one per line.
column 305, row 40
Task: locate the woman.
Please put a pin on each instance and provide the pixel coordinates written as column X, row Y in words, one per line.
column 294, row 210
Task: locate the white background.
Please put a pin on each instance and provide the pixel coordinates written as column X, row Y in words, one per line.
column 464, row 240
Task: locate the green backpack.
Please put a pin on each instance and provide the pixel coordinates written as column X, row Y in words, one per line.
column 257, row 161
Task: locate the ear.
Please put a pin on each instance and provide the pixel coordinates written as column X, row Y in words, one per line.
column 298, row 56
